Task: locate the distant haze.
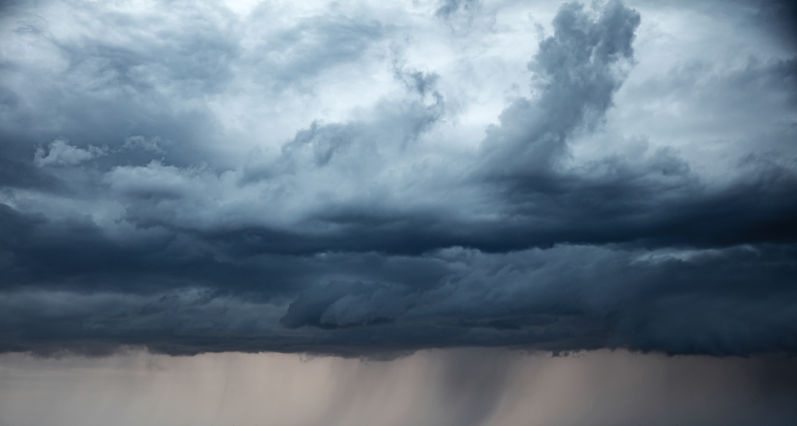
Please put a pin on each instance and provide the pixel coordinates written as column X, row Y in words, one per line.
column 461, row 387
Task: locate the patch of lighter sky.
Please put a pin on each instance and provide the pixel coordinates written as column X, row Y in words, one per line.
column 681, row 93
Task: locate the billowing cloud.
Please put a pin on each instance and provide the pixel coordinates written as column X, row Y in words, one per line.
column 200, row 182
column 718, row 301
column 60, row 153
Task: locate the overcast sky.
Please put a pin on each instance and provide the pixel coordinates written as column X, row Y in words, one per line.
column 204, row 205
column 372, row 178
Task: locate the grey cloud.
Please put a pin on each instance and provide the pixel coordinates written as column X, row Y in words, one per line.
column 364, row 235
column 776, row 16
column 578, row 70
column 313, row 46
column 346, row 304
column 61, row 153
column 421, row 82
column 448, row 8
column 757, row 93
column 781, row 15
column 16, row 167
column 735, row 301
column 99, row 91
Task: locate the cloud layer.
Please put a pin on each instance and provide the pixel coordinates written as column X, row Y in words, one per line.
column 350, row 180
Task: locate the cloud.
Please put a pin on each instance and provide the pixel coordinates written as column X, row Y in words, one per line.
column 578, row 70
column 313, row 46
column 733, row 301
column 448, row 8
column 372, row 227
column 60, row 153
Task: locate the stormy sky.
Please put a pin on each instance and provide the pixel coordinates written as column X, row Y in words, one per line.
column 373, row 178
column 411, row 212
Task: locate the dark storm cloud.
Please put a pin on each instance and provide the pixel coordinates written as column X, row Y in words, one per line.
column 733, row 301
column 123, row 222
column 781, row 15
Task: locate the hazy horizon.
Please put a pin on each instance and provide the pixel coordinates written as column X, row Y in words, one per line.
column 457, row 387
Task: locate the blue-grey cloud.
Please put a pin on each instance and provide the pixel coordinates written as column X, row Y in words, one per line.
column 130, row 216
column 448, row 8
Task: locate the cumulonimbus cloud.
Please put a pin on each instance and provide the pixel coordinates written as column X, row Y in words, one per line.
column 360, row 236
